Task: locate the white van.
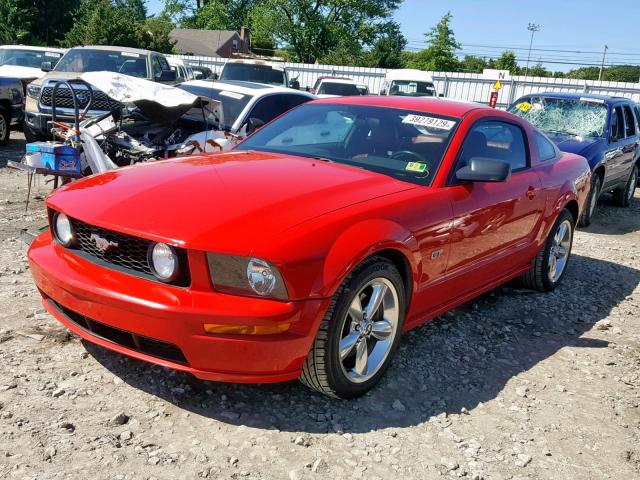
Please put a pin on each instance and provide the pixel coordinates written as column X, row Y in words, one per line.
column 409, row 83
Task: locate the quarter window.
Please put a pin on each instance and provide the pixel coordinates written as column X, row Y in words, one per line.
column 629, row 121
column 546, row 150
column 496, row 140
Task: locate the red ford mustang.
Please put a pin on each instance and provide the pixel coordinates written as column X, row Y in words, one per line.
column 308, row 250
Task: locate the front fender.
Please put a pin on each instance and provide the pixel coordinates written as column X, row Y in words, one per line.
column 359, row 242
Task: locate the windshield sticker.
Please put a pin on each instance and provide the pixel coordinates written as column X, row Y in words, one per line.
column 591, row 100
column 237, row 96
column 53, row 54
column 129, row 54
column 416, row 167
column 430, row 122
column 524, row 106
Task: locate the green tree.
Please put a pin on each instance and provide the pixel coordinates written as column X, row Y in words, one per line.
column 440, row 55
column 538, row 70
column 100, row 22
column 154, row 35
column 507, row 61
column 136, row 7
column 36, row 22
column 473, row 64
column 312, row 29
column 11, row 29
column 387, row 49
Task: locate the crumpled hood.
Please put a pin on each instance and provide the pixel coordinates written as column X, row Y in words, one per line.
column 227, row 203
column 572, row 144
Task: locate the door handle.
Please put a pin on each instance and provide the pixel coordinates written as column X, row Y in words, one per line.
column 531, row 192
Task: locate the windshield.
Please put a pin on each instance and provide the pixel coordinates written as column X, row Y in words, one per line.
column 247, row 72
column 84, row 60
column 341, row 89
column 27, row 58
column 232, row 103
column 581, row 117
column 402, row 144
column 410, row 88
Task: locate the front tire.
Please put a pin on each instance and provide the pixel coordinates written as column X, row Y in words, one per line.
column 550, row 265
column 592, row 201
column 359, row 332
column 622, row 196
column 5, row 125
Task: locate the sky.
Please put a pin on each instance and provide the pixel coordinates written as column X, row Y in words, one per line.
column 486, row 27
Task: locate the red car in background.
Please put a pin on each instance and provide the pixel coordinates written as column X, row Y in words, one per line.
column 309, row 249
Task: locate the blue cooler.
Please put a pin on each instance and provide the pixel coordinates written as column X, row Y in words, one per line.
column 57, row 157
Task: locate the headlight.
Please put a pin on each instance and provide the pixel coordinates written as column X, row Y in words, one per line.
column 164, row 262
column 63, row 230
column 246, row 276
column 33, row 91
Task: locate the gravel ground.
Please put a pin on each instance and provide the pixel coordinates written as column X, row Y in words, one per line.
column 516, row 385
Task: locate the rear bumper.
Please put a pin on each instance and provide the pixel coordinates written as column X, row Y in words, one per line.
column 74, row 288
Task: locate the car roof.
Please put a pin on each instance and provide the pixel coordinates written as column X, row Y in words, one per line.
column 436, row 106
column 409, row 74
column 246, row 88
column 114, row 48
column 29, row 47
column 577, row 96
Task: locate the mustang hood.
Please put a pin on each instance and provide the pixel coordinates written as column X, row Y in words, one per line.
column 222, row 202
column 571, row 143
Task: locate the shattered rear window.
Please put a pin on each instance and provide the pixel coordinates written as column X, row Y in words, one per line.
column 581, row 117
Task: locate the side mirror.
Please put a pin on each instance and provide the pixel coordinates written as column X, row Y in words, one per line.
column 46, row 66
column 481, row 169
column 215, row 76
column 294, row 83
column 441, row 95
column 253, row 124
column 166, row 76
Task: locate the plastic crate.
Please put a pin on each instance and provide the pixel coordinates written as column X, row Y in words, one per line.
column 57, row 157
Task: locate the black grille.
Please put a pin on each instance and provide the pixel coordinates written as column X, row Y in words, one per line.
column 127, row 253
column 64, row 99
column 132, row 341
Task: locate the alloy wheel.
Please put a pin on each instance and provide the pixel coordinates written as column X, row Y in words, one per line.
column 559, row 252
column 369, row 329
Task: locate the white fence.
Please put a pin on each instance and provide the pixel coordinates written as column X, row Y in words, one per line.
column 461, row 86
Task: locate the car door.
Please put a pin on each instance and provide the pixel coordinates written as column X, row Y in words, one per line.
column 493, row 221
column 630, row 143
column 620, row 150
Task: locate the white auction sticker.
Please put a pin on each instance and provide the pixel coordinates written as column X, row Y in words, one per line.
column 431, row 122
column 130, row 54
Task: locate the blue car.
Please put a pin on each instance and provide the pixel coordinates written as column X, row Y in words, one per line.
column 605, row 130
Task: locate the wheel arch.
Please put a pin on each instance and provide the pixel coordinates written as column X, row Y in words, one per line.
column 574, row 209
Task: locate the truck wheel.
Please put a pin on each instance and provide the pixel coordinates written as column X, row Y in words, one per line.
column 592, row 201
column 550, row 265
column 5, row 125
column 359, row 333
column 622, row 196
column 31, row 136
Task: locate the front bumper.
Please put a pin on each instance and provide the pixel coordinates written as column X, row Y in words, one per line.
column 39, row 121
column 73, row 288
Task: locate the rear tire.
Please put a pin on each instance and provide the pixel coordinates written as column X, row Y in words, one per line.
column 622, row 196
column 550, row 265
column 592, row 201
column 5, row 125
column 358, row 336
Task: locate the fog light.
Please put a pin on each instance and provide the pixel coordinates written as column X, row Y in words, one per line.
column 246, row 329
column 164, row 262
column 63, row 230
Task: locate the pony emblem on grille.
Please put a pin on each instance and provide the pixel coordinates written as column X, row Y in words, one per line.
column 102, row 243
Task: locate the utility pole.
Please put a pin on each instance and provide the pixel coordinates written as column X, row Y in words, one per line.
column 604, row 55
column 533, row 28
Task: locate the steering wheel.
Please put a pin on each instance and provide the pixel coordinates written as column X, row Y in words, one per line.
column 408, row 156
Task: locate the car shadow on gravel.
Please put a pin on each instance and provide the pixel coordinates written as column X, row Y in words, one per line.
column 14, row 150
column 456, row 362
column 610, row 219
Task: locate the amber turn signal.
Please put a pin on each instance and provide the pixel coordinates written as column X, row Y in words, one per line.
column 246, row 329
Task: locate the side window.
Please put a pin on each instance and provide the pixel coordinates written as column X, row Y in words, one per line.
column 617, row 125
column 496, row 140
column 637, row 109
column 273, row 106
column 546, row 150
column 630, row 121
column 164, row 64
column 156, row 67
